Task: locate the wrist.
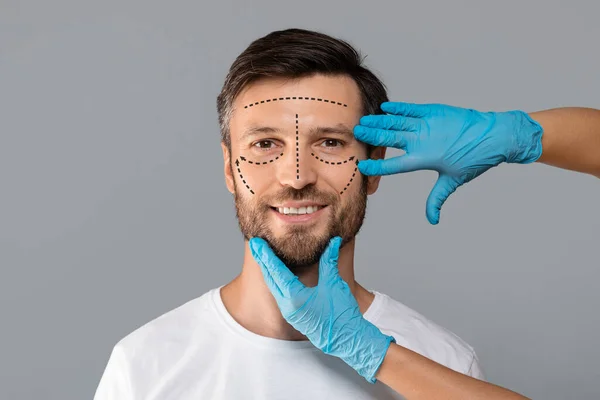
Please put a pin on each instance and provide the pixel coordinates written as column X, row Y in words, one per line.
column 368, row 349
column 526, row 135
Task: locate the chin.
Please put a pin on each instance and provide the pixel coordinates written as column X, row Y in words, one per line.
column 297, row 250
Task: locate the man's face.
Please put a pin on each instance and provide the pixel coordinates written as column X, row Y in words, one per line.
column 292, row 165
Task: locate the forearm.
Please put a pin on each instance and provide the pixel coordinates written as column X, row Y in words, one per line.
column 417, row 377
column 571, row 138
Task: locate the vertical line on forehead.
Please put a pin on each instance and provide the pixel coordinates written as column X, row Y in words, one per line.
column 297, row 152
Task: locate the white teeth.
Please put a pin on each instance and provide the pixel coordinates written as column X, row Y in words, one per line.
column 298, row 211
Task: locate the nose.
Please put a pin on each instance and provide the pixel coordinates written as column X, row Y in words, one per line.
column 297, row 168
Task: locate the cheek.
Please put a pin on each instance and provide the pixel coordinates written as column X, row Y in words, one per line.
column 254, row 176
column 339, row 168
column 341, row 177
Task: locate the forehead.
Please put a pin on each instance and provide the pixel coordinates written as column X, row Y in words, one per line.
column 313, row 100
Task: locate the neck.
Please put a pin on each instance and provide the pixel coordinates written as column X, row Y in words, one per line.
column 249, row 301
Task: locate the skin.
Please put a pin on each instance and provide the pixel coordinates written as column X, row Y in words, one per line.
column 418, row 378
column 246, row 297
column 571, row 138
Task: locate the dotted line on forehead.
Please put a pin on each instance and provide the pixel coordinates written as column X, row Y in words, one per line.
column 296, row 98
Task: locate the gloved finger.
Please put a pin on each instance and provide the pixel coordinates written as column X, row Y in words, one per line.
column 394, row 165
column 328, row 264
column 383, row 137
column 284, row 283
column 406, row 109
column 442, row 189
column 394, row 122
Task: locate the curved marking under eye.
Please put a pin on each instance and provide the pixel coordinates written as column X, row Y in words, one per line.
column 259, row 162
column 331, row 162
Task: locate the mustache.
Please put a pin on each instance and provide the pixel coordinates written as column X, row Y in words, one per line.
column 308, row 193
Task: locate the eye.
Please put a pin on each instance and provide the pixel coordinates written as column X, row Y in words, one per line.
column 264, row 144
column 332, row 143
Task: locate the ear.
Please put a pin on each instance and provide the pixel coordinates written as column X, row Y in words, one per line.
column 373, row 181
column 228, row 169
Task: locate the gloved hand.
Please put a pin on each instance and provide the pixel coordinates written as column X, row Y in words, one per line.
column 327, row 314
column 459, row 143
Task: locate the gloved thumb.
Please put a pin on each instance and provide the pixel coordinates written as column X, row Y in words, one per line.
column 280, row 280
column 442, row 189
column 328, row 264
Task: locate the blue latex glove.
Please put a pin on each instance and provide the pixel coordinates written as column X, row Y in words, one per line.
column 327, row 314
column 459, row 143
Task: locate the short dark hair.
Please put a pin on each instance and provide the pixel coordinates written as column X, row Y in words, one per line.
column 297, row 53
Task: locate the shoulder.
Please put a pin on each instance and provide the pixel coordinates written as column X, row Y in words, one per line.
column 170, row 332
column 420, row 334
column 145, row 354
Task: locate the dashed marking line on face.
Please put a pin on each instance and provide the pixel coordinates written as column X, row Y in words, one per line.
column 351, row 178
column 340, row 163
column 260, row 162
column 331, row 162
column 296, row 98
column 297, row 152
column 237, row 164
column 297, row 142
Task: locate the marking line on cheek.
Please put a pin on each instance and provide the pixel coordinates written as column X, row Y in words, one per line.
column 237, row 164
column 297, row 152
column 351, row 178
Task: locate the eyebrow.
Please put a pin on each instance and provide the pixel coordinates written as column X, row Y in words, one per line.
column 340, row 129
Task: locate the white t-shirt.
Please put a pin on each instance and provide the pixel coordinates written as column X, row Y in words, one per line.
column 198, row 351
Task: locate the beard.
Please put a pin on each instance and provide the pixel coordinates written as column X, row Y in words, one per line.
column 300, row 247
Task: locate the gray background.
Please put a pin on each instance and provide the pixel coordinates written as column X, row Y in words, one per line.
column 113, row 208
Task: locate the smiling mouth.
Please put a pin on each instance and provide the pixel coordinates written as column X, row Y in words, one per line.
column 298, row 210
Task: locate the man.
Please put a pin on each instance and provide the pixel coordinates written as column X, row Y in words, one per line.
column 287, row 112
